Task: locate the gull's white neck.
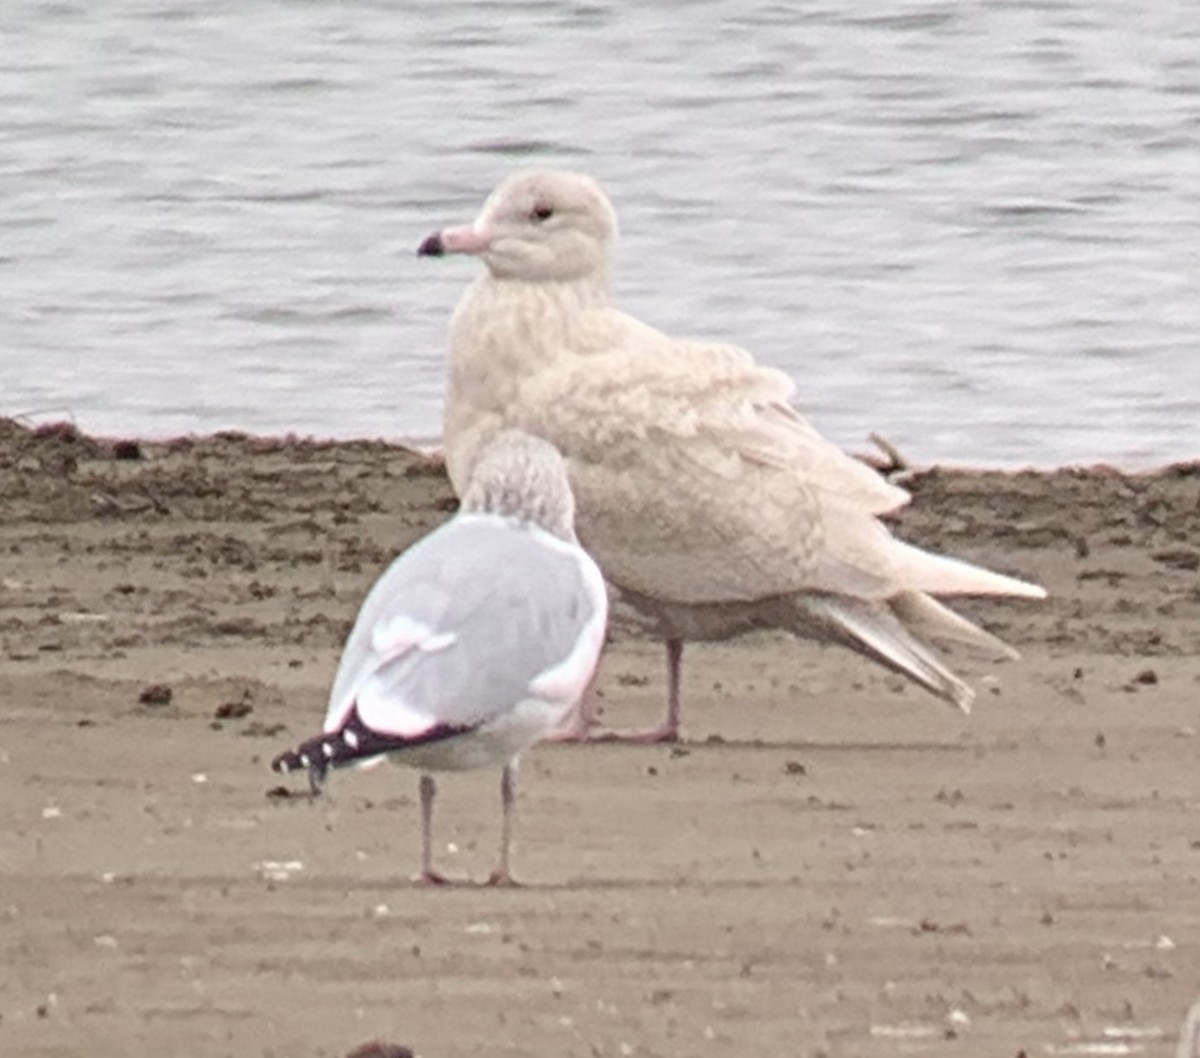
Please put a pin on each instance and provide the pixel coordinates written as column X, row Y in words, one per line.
column 541, row 312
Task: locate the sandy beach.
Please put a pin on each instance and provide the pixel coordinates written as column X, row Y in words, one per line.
column 832, row 864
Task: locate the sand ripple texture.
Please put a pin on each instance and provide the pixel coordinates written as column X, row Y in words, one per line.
column 831, row 864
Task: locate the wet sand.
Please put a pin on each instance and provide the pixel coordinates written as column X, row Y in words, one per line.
column 834, row 863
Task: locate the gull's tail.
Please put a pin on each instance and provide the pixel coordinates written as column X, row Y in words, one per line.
column 900, row 633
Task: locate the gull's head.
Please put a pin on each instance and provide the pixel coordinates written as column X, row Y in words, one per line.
column 523, row 477
column 538, row 225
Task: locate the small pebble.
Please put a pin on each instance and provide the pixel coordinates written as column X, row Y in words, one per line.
column 381, row 1049
column 156, row 694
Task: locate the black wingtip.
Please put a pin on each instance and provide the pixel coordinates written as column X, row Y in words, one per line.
column 432, row 246
column 312, row 757
column 327, row 751
column 354, row 743
column 292, row 760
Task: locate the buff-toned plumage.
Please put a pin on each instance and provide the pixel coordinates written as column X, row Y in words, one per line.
column 703, row 494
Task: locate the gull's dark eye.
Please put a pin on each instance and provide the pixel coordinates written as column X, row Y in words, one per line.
column 541, row 212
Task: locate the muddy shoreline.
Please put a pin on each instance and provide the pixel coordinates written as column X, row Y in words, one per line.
column 833, row 864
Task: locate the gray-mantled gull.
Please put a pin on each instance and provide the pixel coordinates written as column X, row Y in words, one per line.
column 708, row 501
column 475, row 643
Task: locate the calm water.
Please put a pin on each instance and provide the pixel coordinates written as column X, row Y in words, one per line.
column 971, row 227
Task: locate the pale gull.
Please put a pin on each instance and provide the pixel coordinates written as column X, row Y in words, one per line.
column 704, row 496
column 477, row 642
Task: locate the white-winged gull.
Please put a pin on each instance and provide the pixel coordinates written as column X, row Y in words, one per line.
column 477, row 642
column 707, row 500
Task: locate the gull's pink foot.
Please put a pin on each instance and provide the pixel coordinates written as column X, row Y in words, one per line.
column 501, row 879
column 579, row 728
column 584, row 719
column 650, row 736
column 433, row 878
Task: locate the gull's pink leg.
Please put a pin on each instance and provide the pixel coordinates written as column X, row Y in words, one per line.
column 508, row 799
column 668, row 730
column 428, row 875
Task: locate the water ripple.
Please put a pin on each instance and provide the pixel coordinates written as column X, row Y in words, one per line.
column 987, row 261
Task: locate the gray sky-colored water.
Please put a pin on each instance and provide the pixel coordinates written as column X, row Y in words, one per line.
column 971, row 227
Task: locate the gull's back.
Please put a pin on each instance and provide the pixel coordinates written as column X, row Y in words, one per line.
column 461, row 625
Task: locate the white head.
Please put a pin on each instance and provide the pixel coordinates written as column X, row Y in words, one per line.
column 523, row 477
column 538, row 225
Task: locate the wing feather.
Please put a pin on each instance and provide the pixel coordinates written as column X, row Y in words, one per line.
column 695, row 478
column 459, row 626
